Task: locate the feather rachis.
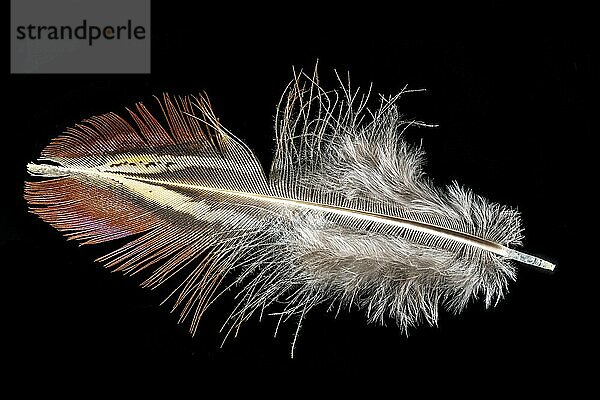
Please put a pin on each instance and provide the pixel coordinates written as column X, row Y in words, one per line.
column 346, row 215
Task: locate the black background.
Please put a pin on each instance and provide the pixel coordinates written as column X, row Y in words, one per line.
column 512, row 107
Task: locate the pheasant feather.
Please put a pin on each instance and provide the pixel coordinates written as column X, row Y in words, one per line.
column 345, row 216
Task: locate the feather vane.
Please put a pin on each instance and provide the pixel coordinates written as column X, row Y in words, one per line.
column 346, row 215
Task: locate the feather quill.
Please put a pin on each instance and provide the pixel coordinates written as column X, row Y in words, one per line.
column 345, row 216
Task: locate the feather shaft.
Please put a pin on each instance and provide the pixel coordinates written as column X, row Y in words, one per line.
column 460, row 237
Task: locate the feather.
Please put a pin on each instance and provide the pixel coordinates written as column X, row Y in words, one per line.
column 345, row 216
